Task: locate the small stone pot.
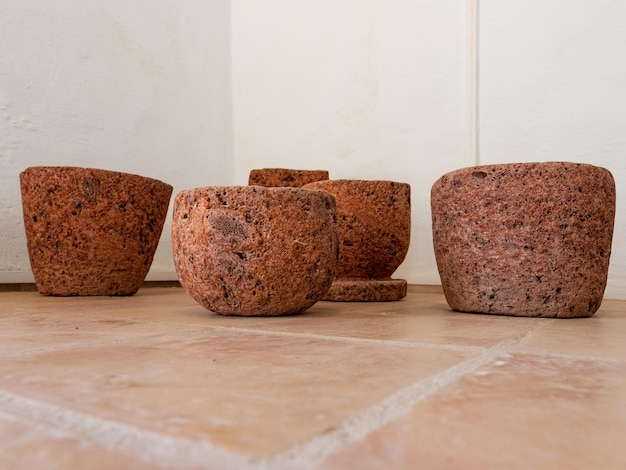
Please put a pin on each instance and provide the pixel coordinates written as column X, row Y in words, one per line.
column 280, row 177
column 255, row 251
column 524, row 239
column 374, row 222
column 91, row 231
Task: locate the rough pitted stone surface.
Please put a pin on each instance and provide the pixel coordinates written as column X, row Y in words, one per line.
column 374, row 222
column 91, row 231
column 280, row 177
column 367, row 290
column 254, row 250
column 527, row 239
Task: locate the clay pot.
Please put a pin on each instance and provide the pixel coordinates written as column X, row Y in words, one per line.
column 252, row 250
column 374, row 223
column 91, row 231
column 280, row 177
column 524, row 239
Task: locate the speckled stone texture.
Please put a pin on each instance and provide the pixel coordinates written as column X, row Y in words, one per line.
column 281, row 177
column 374, row 222
column 91, row 231
column 254, row 250
column 526, row 239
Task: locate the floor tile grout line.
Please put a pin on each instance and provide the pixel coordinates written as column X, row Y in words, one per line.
column 195, row 329
column 171, row 451
column 313, row 453
column 354, row 339
column 152, row 448
column 97, row 344
column 572, row 357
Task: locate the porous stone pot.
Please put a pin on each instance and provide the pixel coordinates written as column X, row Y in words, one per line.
column 524, row 239
column 374, row 223
column 91, row 231
column 252, row 250
column 280, row 177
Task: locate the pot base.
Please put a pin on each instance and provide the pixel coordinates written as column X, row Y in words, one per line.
column 366, row 290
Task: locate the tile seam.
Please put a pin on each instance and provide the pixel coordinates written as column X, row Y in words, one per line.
column 172, row 452
column 312, row 454
column 97, row 344
column 194, row 329
column 353, row 339
column 571, row 357
column 152, row 448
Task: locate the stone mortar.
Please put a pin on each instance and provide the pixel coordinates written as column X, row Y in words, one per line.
column 524, row 239
column 254, row 250
column 281, row 177
column 91, row 231
column 374, row 223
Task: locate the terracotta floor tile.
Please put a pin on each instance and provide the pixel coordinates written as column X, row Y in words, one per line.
column 76, row 320
column 520, row 411
column 427, row 320
column 28, row 446
column 155, row 379
column 52, row 323
column 602, row 335
column 159, row 301
column 32, row 323
column 250, row 393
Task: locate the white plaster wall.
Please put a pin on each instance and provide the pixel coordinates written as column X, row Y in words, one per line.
column 552, row 77
column 367, row 89
column 388, row 90
column 137, row 86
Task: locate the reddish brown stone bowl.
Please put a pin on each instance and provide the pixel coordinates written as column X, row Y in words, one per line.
column 524, row 239
column 280, row 177
column 255, row 251
column 374, row 222
column 91, row 231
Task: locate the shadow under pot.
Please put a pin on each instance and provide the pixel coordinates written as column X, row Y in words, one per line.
column 282, row 177
column 91, row 231
column 255, row 251
column 374, row 225
column 524, row 239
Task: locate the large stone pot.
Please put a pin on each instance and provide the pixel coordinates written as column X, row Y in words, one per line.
column 374, row 222
column 524, row 239
column 281, row 177
column 252, row 250
column 91, row 231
